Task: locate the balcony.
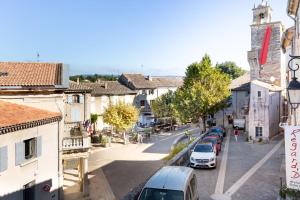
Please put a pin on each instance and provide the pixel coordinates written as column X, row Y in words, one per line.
column 76, row 143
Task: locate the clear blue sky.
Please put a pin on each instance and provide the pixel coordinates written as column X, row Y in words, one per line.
column 115, row 36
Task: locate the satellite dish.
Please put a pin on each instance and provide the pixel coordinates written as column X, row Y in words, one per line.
column 272, row 79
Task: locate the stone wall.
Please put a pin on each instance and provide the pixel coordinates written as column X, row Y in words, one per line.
column 273, row 66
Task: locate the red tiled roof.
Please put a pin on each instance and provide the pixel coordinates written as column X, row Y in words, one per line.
column 15, row 116
column 30, row 74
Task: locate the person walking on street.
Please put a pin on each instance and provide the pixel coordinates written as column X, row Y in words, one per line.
column 140, row 138
column 236, row 133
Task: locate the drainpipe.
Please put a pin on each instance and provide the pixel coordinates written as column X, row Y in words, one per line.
column 296, row 36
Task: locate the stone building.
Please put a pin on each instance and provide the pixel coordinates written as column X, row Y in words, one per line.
column 104, row 93
column 148, row 89
column 267, row 73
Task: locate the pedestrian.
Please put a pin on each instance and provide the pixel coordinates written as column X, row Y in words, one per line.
column 236, row 133
column 140, row 138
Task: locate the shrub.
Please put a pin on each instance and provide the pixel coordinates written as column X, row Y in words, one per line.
column 174, row 151
column 260, row 139
column 104, row 139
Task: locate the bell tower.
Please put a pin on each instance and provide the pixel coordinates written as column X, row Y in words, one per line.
column 262, row 13
column 265, row 58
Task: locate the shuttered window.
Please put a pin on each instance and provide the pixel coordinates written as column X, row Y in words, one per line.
column 28, row 149
column 81, row 99
column 75, row 115
column 3, row 158
column 69, row 99
column 20, row 152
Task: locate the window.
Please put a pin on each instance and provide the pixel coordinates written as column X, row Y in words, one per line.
column 259, row 94
column 142, row 103
column 3, row 158
column 30, row 148
column 151, row 91
column 75, row 99
column 261, row 16
column 258, row 131
column 144, row 91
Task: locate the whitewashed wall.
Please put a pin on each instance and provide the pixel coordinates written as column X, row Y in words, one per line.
column 40, row 169
column 50, row 102
column 259, row 113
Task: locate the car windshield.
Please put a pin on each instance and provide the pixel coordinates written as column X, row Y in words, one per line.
column 203, row 148
column 161, row 194
column 212, row 140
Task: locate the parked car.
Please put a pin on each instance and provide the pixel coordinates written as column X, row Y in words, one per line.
column 215, row 141
column 171, row 183
column 203, row 155
column 218, row 134
column 218, row 129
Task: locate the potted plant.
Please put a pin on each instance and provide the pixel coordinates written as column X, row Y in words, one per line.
column 104, row 140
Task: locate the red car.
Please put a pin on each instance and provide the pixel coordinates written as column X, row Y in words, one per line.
column 215, row 140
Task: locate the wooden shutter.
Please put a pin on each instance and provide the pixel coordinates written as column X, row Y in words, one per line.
column 75, row 115
column 20, row 152
column 3, row 158
column 81, row 99
column 39, row 146
column 69, row 98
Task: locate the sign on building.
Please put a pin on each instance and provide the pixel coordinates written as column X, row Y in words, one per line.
column 292, row 156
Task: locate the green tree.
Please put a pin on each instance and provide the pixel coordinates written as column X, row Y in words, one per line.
column 204, row 91
column 121, row 117
column 163, row 106
column 231, row 69
column 94, row 118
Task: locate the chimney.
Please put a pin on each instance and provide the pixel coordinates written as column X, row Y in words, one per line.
column 149, row 78
column 105, row 85
column 77, row 80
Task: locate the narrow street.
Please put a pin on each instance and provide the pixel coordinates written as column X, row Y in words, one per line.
column 123, row 167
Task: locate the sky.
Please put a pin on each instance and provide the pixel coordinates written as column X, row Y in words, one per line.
column 153, row 37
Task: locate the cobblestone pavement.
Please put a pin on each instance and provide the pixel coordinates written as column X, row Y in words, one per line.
column 126, row 166
column 242, row 156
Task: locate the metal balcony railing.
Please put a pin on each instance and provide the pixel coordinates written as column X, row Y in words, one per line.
column 76, row 143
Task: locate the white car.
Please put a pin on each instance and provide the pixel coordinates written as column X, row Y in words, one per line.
column 171, row 183
column 203, row 155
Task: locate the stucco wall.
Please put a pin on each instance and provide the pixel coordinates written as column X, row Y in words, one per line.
column 39, row 169
column 50, row 102
column 274, row 112
column 264, row 111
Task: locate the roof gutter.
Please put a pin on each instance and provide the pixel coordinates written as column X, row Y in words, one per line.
column 295, row 19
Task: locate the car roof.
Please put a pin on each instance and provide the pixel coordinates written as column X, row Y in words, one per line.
column 211, row 137
column 204, row 143
column 170, row 177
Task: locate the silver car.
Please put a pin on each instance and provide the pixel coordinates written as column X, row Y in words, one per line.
column 171, row 183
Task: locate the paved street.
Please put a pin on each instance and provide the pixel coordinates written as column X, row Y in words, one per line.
column 251, row 172
column 123, row 167
column 245, row 172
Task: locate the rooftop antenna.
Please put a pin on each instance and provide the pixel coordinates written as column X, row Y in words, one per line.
column 142, row 67
column 38, row 57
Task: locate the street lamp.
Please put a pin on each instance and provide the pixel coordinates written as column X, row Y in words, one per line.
column 293, row 88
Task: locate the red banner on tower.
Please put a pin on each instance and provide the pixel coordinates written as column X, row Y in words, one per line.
column 265, row 46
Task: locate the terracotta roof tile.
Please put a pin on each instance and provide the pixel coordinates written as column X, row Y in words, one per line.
column 109, row 88
column 30, row 74
column 14, row 114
